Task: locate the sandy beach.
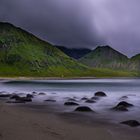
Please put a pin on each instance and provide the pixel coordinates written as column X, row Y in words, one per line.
column 24, row 123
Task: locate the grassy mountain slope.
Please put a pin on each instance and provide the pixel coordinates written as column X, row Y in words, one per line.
column 23, row 54
column 135, row 63
column 105, row 57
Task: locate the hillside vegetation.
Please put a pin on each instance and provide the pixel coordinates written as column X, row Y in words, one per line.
column 23, row 54
column 106, row 57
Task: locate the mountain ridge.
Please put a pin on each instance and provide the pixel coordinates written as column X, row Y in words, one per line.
column 105, row 57
column 20, row 50
column 75, row 53
column 23, row 54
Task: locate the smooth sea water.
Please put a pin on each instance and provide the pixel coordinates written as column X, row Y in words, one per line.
column 60, row 90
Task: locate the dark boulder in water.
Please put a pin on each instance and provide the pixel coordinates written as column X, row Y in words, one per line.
column 71, row 104
column 24, row 99
column 132, row 123
column 83, row 109
column 100, row 94
column 90, row 101
column 84, row 98
column 15, row 96
column 50, row 100
column 34, row 93
column 5, row 95
column 29, row 96
column 72, row 100
column 124, row 98
column 122, row 106
column 125, row 104
column 95, row 98
column 41, row 93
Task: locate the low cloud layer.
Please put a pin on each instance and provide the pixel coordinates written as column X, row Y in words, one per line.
column 78, row 23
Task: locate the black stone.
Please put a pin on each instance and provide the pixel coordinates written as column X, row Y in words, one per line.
column 124, row 97
column 15, row 97
column 84, row 98
column 41, row 93
column 120, row 108
column 72, row 100
column 29, row 96
column 5, row 95
column 100, row 94
column 71, row 104
column 125, row 104
column 24, row 99
column 95, row 98
column 50, row 100
column 83, row 109
column 90, row 101
column 132, row 123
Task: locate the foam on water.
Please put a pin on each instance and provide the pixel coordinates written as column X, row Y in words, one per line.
column 61, row 89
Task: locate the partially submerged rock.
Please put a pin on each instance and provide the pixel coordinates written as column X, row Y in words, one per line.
column 24, row 99
column 34, row 93
column 42, row 93
column 29, row 96
column 84, row 98
column 122, row 106
column 71, row 104
column 132, row 123
column 125, row 104
column 17, row 98
column 14, row 96
column 90, row 101
column 5, row 95
column 50, row 100
column 100, row 94
column 72, row 100
column 124, row 98
column 83, row 109
column 95, row 98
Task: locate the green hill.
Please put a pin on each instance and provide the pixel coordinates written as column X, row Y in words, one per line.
column 23, row 54
column 105, row 57
column 135, row 63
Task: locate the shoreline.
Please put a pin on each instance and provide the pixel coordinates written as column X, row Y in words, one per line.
column 53, row 121
column 65, row 78
column 21, row 122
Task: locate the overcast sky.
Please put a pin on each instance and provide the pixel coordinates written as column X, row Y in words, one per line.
column 79, row 23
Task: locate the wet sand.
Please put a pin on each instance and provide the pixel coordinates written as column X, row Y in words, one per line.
column 27, row 123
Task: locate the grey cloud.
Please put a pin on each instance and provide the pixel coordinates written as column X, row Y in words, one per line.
column 119, row 21
column 61, row 22
column 78, row 23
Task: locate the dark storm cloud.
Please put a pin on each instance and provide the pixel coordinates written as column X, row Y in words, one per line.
column 78, row 23
column 119, row 21
column 62, row 22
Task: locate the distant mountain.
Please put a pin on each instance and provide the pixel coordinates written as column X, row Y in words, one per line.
column 136, row 57
column 74, row 52
column 21, row 53
column 105, row 57
column 135, row 63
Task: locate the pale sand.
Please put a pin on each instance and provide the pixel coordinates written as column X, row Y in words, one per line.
column 19, row 123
